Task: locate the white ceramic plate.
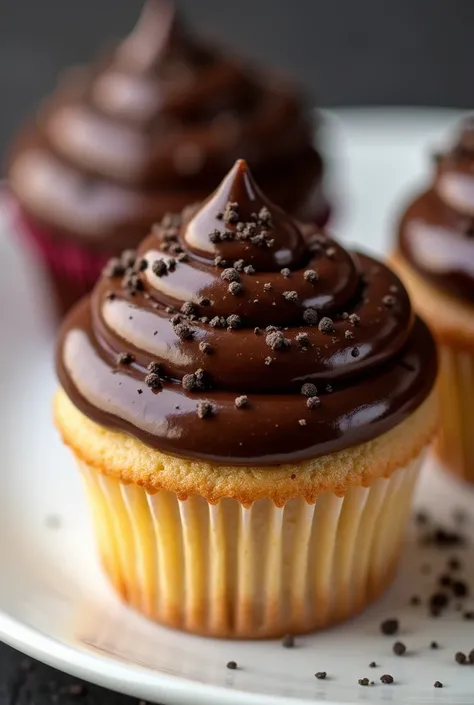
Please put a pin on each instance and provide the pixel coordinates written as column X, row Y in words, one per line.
column 54, row 602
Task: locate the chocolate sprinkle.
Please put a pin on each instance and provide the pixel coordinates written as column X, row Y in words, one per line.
column 471, row 656
column 321, row 675
column 309, row 389
column 389, row 627
column 438, row 684
column 231, row 665
column 125, row 358
column 241, row 402
column 291, row 296
column 153, row 381
column 310, row 316
column 326, row 325
column 159, row 267
column 460, row 658
column 386, row 679
column 372, row 664
column 399, row 648
column 205, row 409
column 434, row 645
column 311, row 276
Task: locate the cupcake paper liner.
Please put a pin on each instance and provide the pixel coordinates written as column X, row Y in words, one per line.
column 456, row 389
column 227, row 570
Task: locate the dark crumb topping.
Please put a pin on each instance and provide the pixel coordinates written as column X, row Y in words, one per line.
column 113, row 268
column 438, row 684
column 288, row 641
column 326, row 325
column 313, row 403
column 159, row 267
column 302, row 422
column 321, row 675
column 241, row 402
column 141, row 265
column 354, row 319
column 460, row 658
column 311, row 276
column 230, row 274
column 389, row 301
column 276, row 340
column 267, row 286
column 125, row 358
column 205, row 347
column 291, row 296
column 154, row 367
column 399, row 648
column 188, row 308
column 204, row 410
column 386, row 679
column 389, row 626
column 285, row 271
column 309, row 389
column 349, row 335
column 234, row 321
column 302, row 339
column 217, row 322
column 310, row 316
column 235, row 288
column 153, row 381
column 372, row 664
column 331, row 252
column 183, row 331
column 268, row 360
column 364, row 681
column 196, row 381
column 249, row 269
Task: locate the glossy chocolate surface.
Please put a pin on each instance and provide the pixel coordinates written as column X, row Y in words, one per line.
column 154, row 126
column 287, row 307
column 437, row 229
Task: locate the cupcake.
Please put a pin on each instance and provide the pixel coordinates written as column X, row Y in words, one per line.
column 249, row 413
column 435, row 258
column 148, row 129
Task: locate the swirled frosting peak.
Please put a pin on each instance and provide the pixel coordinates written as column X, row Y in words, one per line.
column 437, row 228
column 153, row 126
column 239, row 335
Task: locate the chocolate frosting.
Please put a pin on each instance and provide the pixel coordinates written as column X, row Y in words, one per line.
column 238, row 335
column 437, row 230
column 154, row 126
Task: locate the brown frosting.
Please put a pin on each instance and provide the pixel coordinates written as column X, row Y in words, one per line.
column 238, row 335
column 154, row 126
column 436, row 232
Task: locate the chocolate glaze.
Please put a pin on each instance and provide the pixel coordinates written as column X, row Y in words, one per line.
column 436, row 232
column 375, row 364
column 154, row 126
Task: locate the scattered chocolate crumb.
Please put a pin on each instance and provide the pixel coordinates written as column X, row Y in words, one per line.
column 195, row 381
column 310, row 316
column 389, row 626
column 241, row 402
column 399, row 648
column 311, row 276
column 159, row 267
column 389, row 301
column 326, row 325
column 188, row 308
column 372, row 664
column 231, row 665
column 445, row 580
column 154, row 367
column 205, row 347
column 204, row 409
column 234, row 321
column 386, row 679
column 231, row 212
column 125, row 358
column 309, row 389
column 239, row 265
column 285, row 271
column 183, row 331
column 139, row 391
column 454, row 563
column 302, row 422
column 249, row 269
column 415, row 600
column 267, row 287
column 235, row 288
column 471, row 656
column 220, row 261
column 468, row 616
column 183, row 257
column 313, row 403
column 439, row 600
column 268, row 360
column 127, row 258
column 354, row 319
column 276, row 340
column 438, row 684
column 321, row 675
column 460, row 658
column 363, row 681
column 460, row 588
column 113, row 268
column 349, row 335
column 217, row 322
column 355, row 352
column 328, row 388
column 434, row 645
column 331, row 252
column 230, row 274
column 169, row 309
column 204, row 301
column 110, row 296
column 291, row 296
column 141, row 265
column 288, row 641
column 153, row 381
column 302, row 339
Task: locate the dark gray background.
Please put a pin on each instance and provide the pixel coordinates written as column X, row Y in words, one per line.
column 347, row 52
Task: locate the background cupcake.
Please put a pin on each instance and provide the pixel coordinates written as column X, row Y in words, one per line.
column 249, row 414
column 435, row 257
column 148, row 129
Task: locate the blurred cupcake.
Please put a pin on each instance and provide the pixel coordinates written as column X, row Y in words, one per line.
column 148, row 129
column 435, row 258
column 249, row 415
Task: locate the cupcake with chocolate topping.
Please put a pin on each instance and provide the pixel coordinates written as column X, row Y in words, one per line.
column 435, row 257
column 148, row 129
column 249, row 404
